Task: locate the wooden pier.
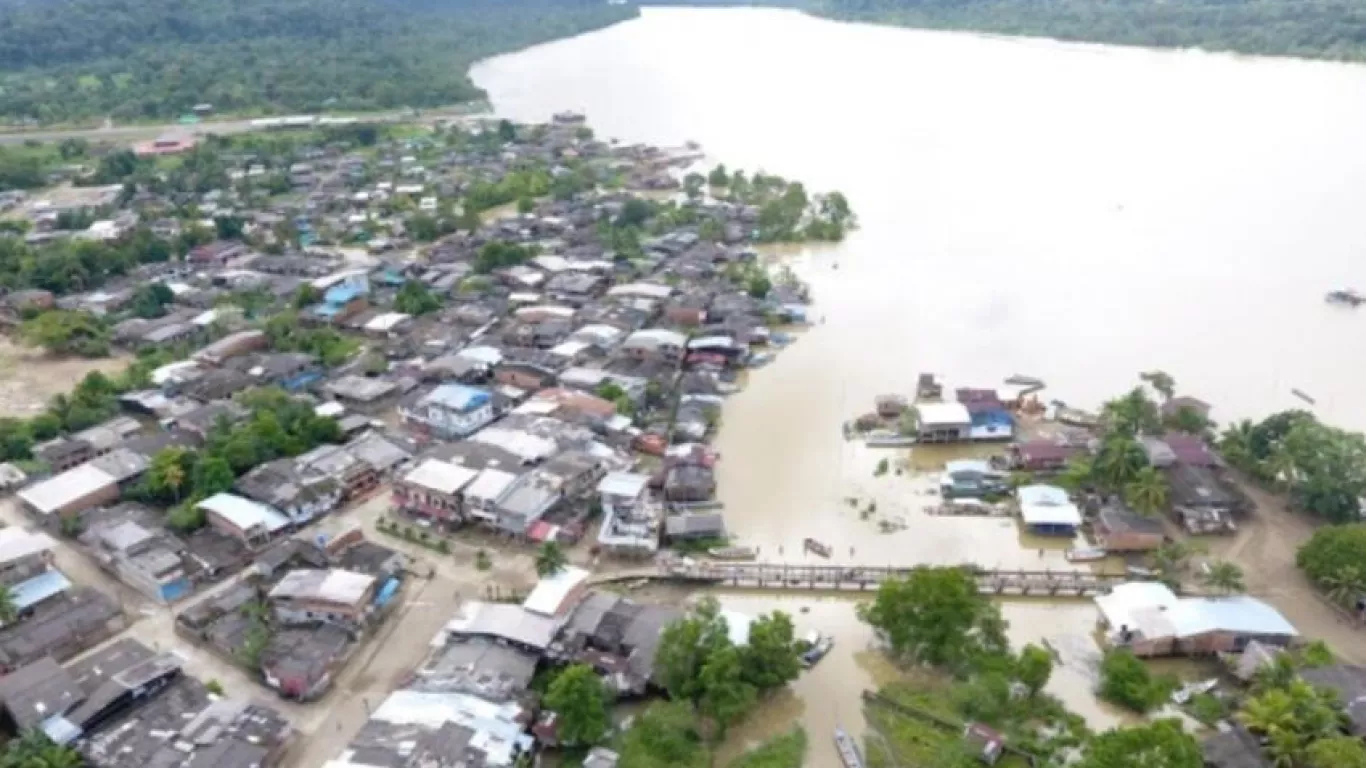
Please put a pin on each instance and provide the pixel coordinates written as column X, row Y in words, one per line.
column 1021, row 583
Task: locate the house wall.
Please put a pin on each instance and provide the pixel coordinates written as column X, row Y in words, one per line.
column 302, row 513
column 444, row 422
column 302, row 611
column 96, row 498
column 227, row 528
column 1052, row 529
column 521, row 378
column 427, row 502
column 1127, row 541
column 942, row 433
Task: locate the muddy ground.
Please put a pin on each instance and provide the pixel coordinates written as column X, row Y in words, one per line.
column 30, row 377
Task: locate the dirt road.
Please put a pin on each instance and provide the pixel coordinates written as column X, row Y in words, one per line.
column 1265, row 548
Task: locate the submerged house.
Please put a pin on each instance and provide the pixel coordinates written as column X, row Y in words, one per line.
column 1046, row 510
column 970, row 478
column 990, row 420
column 943, row 423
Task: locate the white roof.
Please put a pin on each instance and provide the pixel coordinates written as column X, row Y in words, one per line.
column 524, row 445
column 524, row 298
column 1118, row 607
column 552, row 310
column 656, row 337
column 569, row 348
column 497, row 728
column 549, row 595
column 551, row 263
column 627, row 484
column 72, row 485
column 330, row 408
column 645, row 290
column 599, row 333
column 333, row 586
column 244, row 513
column 17, row 543
column 483, row 354
column 537, row 407
column 386, row 321
column 1047, row 505
column 1239, row 614
column 440, row 476
column 490, row 484
column 510, row 622
column 943, row 413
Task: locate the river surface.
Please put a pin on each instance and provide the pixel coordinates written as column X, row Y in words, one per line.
column 1072, row 212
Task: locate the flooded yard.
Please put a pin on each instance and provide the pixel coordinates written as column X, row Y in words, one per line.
column 29, row 377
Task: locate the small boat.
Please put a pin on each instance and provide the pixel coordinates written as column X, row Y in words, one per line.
column 849, row 754
column 1186, row 692
column 1085, row 554
column 817, row 645
column 1139, row 572
column 1301, row 395
column 733, row 553
column 1345, row 296
column 811, row 545
column 884, row 439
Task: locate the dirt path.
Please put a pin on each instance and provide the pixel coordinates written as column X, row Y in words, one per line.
column 1265, row 548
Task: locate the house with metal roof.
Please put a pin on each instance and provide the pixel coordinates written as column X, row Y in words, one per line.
column 451, row 411
column 251, row 522
column 1046, row 510
column 1149, row 619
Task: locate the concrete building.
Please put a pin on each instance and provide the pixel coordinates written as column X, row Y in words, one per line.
column 70, row 493
column 433, row 489
column 307, row 596
column 251, row 522
column 943, row 422
column 450, row 411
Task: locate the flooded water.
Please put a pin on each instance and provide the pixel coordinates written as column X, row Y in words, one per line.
column 1076, row 213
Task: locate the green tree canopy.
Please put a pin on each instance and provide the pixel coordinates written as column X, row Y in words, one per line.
column 936, row 616
column 1161, row 744
column 580, row 700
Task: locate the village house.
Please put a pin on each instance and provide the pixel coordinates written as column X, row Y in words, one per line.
column 943, row 423
column 450, row 411
column 70, row 493
column 1120, row 529
column 1046, row 510
column 231, row 346
column 306, row 596
column 1149, row 619
column 292, row 488
column 655, row 344
column 433, row 489
column 250, row 522
column 142, row 556
column 971, row 478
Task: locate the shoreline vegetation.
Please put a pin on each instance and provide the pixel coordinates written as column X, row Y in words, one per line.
column 1320, row 29
column 78, row 60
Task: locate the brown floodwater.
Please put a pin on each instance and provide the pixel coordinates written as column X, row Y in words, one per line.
column 1077, row 213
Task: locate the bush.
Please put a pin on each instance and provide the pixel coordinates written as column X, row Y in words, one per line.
column 443, row 547
column 214, row 687
column 1126, row 681
column 1332, row 549
column 482, row 561
column 1207, row 708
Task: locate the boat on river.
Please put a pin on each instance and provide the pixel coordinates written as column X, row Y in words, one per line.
column 733, row 553
column 1346, row 297
column 849, row 754
column 887, row 439
column 1085, row 554
column 811, row 545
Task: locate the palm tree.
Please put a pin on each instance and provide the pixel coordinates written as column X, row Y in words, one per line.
column 1345, row 584
column 1119, row 461
column 1078, row 475
column 1280, row 467
column 550, row 559
column 1270, row 712
column 8, row 610
column 58, row 756
column 1224, row 576
column 1147, row 492
column 1236, row 443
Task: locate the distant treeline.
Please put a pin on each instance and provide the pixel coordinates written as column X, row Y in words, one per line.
column 1332, row 29
column 1326, row 29
column 66, row 60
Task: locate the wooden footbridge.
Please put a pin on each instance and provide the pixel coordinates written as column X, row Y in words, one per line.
column 1023, row 583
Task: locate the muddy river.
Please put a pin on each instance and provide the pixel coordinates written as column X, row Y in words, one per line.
column 1072, row 212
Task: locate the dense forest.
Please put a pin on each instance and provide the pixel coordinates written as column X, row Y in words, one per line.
column 1334, row 29
column 67, row 60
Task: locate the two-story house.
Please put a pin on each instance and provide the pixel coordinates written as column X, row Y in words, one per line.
column 450, row 411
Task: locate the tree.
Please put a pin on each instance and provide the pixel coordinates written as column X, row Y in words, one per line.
column 507, row 132
column 686, row 645
column 1033, row 668
column 415, row 299
column 16, row 440
column 550, row 559
column 1336, row 752
column 45, row 426
column 717, row 177
column 168, row 473
column 725, row 696
column 1126, row 681
column 1161, row 382
column 8, row 610
column 150, row 300
column 1317, row 654
column 1119, row 462
column 1160, row 744
column 936, row 616
column 1188, row 420
column 1147, row 492
column 212, row 475
column 1291, row 718
column 769, row 659
column 1225, row 577
column 33, row 749
column 634, row 213
column 1131, row 415
column 66, row 332
column 665, row 736
column 228, row 227
column 758, row 286
column 580, row 700
column 306, row 296
column 1333, row 558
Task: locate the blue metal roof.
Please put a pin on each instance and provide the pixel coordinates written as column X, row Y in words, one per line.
column 458, row 397
column 39, row 588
